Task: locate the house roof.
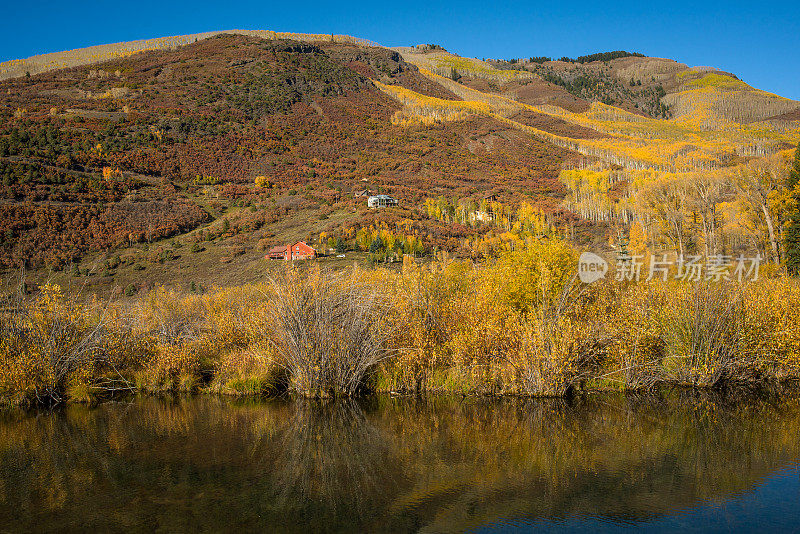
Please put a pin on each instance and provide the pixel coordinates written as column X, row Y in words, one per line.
column 279, row 248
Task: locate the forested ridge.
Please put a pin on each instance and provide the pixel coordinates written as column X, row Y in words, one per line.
column 234, row 143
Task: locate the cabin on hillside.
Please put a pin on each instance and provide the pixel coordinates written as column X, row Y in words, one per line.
column 381, row 201
column 277, row 253
column 294, row 251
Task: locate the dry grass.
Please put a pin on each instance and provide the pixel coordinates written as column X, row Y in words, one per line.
column 249, row 372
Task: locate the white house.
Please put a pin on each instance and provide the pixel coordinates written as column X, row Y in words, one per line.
column 381, row 201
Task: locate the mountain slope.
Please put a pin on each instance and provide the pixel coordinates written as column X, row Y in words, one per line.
column 84, row 56
column 185, row 158
column 654, row 87
column 196, row 126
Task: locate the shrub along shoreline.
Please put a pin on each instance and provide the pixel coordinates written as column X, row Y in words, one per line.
column 518, row 325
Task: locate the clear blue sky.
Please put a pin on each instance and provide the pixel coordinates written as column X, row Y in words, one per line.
column 758, row 42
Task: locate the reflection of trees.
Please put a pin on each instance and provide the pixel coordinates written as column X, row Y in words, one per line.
column 333, row 463
column 395, row 465
column 176, row 465
column 623, row 458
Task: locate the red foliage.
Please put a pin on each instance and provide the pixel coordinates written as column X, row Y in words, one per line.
column 53, row 234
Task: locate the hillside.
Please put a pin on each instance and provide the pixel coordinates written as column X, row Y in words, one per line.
column 181, row 160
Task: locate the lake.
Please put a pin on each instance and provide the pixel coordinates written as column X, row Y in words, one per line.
column 677, row 460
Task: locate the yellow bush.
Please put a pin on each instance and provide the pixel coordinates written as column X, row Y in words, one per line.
column 55, row 345
column 172, row 368
column 249, row 372
column 519, row 323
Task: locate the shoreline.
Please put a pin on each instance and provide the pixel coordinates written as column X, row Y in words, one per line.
column 730, row 390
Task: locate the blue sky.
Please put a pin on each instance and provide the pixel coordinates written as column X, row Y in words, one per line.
column 758, row 42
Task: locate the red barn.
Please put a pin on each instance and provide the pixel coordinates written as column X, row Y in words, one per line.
column 296, row 251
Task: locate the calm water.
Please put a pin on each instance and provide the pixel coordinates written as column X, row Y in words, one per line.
column 676, row 462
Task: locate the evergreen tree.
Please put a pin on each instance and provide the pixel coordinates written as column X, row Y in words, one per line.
column 794, row 173
column 791, row 234
column 376, row 245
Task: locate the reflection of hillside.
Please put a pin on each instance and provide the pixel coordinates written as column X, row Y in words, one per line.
column 626, row 460
column 397, row 465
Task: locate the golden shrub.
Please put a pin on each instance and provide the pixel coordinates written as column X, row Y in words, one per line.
column 515, row 324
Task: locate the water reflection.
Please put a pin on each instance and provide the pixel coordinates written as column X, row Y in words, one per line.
column 332, row 462
column 400, row 465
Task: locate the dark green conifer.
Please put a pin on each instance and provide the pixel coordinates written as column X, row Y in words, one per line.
column 791, row 233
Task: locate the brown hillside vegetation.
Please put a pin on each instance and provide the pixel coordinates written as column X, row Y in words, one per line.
column 555, row 125
column 205, row 120
column 59, row 234
column 95, row 54
column 247, row 140
column 539, row 92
